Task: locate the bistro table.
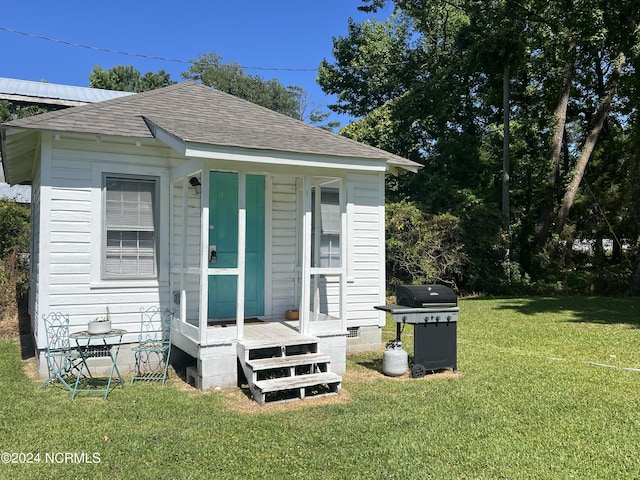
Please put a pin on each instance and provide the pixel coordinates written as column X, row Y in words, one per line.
column 97, row 345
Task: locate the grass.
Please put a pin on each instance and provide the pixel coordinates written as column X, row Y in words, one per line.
column 529, row 402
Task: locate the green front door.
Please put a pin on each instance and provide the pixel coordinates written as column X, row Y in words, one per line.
column 223, row 244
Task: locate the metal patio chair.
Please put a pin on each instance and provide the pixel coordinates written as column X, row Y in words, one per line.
column 154, row 345
column 63, row 360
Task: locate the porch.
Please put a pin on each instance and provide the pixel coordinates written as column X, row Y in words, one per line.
column 273, row 359
column 245, row 248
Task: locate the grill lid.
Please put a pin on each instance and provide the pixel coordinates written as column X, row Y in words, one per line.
column 425, row 296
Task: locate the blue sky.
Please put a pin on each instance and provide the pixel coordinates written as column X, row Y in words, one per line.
column 284, row 34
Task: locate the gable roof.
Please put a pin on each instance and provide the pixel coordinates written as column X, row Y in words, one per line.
column 196, row 116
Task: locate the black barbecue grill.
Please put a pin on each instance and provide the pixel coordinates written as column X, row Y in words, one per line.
column 433, row 312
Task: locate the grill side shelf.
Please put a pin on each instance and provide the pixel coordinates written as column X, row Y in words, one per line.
column 400, row 309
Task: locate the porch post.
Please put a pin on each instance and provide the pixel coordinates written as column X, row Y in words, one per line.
column 183, row 253
column 317, row 226
column 204, row 255
column 242, row 241
column 344, row 259
column 306, row 256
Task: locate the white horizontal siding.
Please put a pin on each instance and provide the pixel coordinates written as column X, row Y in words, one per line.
column 72, row 205
column 283, row 245
column 185, row 248
column 365, row 196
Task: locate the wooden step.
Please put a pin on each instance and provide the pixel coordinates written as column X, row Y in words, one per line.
column 300, row 381
column 288, row 361
column 274, row 349
column 252, row 344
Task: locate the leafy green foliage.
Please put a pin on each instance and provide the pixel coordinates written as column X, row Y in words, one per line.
column 485, row 246
column 292, row 100
column 14, row 227
column 427, row 84
column 422, row 248
column 127, row 78
column 14, row 248
column 13, row 110
column 230, row 78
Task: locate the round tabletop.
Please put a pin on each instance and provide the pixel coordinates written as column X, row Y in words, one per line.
column 86, row 335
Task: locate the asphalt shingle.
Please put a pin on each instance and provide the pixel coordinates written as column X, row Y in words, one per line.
column 199, row 114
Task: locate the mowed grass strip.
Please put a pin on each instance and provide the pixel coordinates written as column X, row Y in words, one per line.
column 547, row 388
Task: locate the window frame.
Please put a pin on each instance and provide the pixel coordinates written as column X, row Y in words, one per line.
column 105, row 177
column 334, row 253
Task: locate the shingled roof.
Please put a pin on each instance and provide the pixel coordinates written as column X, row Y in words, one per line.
column 197, row 114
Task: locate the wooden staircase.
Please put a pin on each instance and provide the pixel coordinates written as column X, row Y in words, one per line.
column 285, row 367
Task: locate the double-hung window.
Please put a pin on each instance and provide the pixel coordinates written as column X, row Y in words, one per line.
column 130, row 227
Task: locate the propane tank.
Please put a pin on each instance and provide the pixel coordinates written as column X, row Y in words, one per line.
column 395, row 360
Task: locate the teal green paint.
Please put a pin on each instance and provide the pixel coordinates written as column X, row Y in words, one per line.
column 254, row 261
column 223, row 235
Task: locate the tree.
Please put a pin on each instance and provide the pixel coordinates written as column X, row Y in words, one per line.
column 230, row 78
column 14, row 110
column 431, row 82
column 292, row 100
column 422, row 248
column 127, row 78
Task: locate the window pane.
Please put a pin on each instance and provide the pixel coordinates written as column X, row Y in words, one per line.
column 130, row 226
column 328, row 220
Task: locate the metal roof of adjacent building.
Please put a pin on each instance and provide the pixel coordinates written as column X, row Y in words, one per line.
column 53, row 94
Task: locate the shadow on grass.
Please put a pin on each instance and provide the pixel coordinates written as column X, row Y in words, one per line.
column 369, row 363
column 372, row 360
column 599, row 310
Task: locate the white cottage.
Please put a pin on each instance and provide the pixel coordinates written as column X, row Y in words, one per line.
column 226, row 212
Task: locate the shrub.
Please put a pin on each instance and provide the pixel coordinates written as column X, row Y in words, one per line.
column 14, row 248
column 485, row 246
column 14, row 227
column 422, row 248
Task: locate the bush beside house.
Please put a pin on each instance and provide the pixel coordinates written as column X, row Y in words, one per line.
column 14, row 261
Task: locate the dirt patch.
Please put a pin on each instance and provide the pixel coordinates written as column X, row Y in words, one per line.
column 367, row 375
column 236, row 400
column 30, row 370
column 9, row 325
column 14, row 320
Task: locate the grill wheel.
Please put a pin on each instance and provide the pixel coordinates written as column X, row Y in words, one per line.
column 418, row 371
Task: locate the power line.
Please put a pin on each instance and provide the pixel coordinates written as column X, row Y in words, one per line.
column 189, row 62
column 89, row 47
column 140, row 55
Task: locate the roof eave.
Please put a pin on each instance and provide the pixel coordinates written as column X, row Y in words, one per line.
column 19, row 146
column 165, row 137
column 399, row 168
column 255, row 155
column 283, row 158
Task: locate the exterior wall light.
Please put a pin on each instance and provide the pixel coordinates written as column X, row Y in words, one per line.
column 195, row 183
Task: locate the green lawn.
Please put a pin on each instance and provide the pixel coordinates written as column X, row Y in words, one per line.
column 529, row 402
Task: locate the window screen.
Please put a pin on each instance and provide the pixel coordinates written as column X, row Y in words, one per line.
column 330, row 229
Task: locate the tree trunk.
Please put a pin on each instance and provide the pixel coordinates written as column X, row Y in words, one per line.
column 560, row 118
column 634, row 286
column 505, row 146
column 587, row 149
